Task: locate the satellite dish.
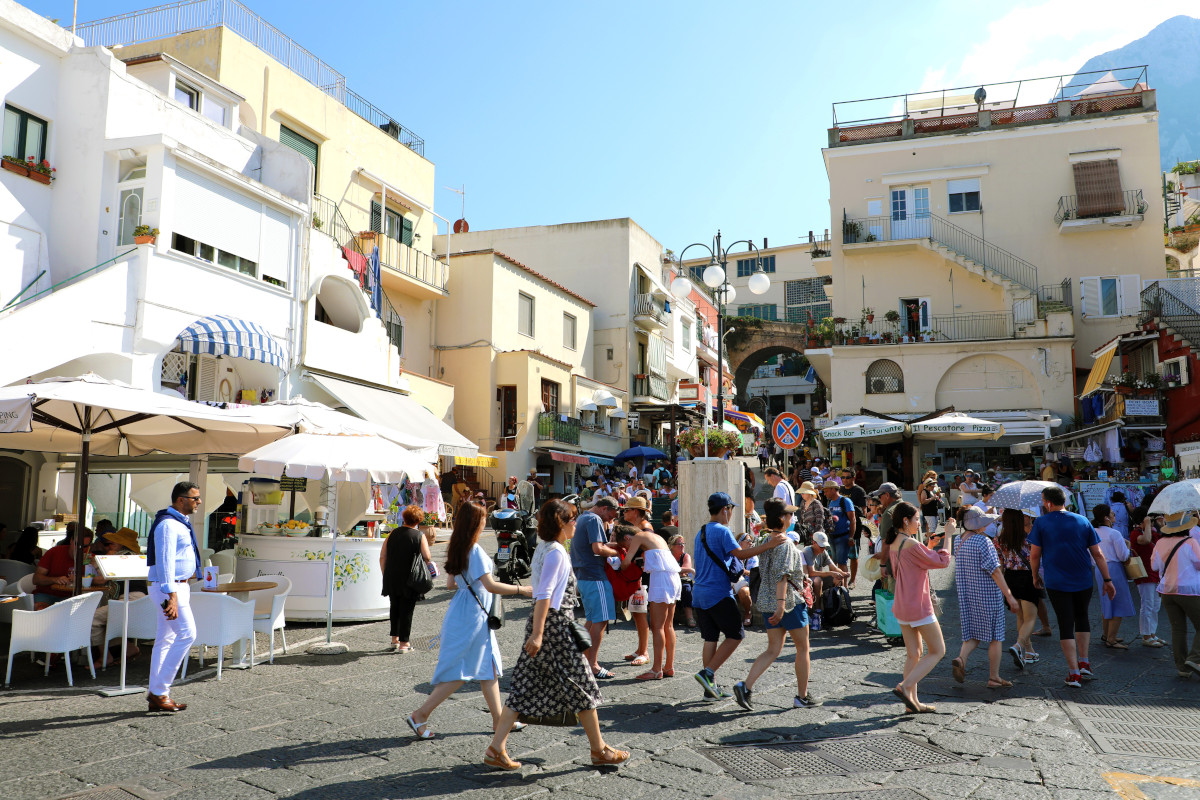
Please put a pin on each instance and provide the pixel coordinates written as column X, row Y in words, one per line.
column 461, row 226
column 980, row 96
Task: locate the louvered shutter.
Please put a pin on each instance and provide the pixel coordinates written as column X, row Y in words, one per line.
column 658, row 356
column 1131, row 299
column 215, row 214
column 301, row 145
column 1098, row 188
column 376, row 217
column 406, row 231
column 1089, row 296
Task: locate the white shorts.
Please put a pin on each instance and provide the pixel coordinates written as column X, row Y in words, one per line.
column 665, row 587
column 928, row 620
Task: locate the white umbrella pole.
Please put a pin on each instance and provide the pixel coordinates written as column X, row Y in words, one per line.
column 329, row 500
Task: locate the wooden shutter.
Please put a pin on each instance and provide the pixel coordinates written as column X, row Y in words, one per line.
column 658, row 356
column 406, row 231
column 376, row 217
column 1098, row 188
column 1130, row 299
column 1089, row 296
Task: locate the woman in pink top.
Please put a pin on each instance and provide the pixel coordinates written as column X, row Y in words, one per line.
column 1176, row 559
column 910, row 562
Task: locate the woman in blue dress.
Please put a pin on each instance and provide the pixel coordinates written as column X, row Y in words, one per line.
column 468, row 649
column 982, row 596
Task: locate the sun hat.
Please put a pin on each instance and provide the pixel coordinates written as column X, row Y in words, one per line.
column 977, row 519
column 638, row 502
column 830, row 484
column 870, row 570
column 807, row 488
column 1178, row 522
column 124, row 537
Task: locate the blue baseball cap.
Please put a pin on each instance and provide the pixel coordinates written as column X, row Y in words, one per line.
column 718, row 501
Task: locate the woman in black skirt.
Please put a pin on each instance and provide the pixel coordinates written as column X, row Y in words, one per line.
column 551, row 676
column 403, row 547
column 1013, row 549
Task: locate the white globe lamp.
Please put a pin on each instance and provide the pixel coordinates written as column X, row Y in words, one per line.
column 714, row 276
column 681, row 287
column 759, row 283
column 729, row 294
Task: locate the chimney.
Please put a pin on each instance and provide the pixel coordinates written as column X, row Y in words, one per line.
column 764, row 243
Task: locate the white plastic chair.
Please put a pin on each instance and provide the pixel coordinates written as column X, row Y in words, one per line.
column 225, row 561
column 220, row 620
column 11, row 570
column 224, row 578
column 143, row 621
column 268, row 611
column 61, row 628
column 206, row 554
column 24, row 604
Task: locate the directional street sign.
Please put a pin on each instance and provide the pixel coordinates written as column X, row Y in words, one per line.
column 788, row 430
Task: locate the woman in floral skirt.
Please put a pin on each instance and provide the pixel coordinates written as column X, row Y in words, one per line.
column 551, row 675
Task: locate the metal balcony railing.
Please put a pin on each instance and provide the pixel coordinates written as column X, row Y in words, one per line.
column 647, row 306
column 417, row 265
column 1055, row 297
column 554, row 427
column 1175, row 303
column 1132, row 204
column 979, row 326
column 651, row 386
column 820, row 246
column 173, row 19
column 948, row 235
column 327, row 218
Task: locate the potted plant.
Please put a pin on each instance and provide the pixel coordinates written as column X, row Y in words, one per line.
column 1151, row 382
column 41, row 171
column 826, row 330
column 1124, row 383
column 719, row 441
column 892, row 315
column 144, row 234
column 868, row 314
column 851, row 231
column 14, row 164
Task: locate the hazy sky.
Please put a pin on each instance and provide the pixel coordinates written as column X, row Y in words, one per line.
column 686, row 116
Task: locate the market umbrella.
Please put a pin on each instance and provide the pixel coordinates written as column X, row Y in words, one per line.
column 92, row 415
column 337, row 457
column 883, row 430
column 1181, row 496
column 954, row 425
column 1020, row 494
column 639, row 451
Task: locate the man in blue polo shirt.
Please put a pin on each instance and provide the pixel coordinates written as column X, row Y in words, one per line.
column 845, row 523
column 589, row 549
column 716, row 553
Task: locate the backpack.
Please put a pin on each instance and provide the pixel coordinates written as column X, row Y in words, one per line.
column 835, row 607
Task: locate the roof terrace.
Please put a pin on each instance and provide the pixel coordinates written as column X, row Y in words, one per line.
column 1026, row 102
column 172, row 19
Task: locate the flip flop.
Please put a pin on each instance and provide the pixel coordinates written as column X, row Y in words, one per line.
column 639, row 661
column 908, row 703
column 959, row 669
column 1000, row 684
column 650, row 676
column 603, row 674
column 417, row 726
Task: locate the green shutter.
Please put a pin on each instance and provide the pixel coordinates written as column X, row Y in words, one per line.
column 304, row 147
column 406, row 233
column 376, row 217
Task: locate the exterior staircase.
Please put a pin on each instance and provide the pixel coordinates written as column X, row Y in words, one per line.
column 1173, row 305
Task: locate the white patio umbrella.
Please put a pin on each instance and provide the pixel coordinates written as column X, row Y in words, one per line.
column 335, row 457
column 1020, row 494
column 1181, row 496
column 954, row 425
column 884, row 430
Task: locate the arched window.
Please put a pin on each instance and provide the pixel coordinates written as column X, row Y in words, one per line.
column 885, row 377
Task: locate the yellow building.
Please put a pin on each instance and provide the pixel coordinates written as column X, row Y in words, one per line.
column 985, row 242
column 523, row 343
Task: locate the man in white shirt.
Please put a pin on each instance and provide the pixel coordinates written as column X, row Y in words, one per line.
column 174, row 558
column 781, row 488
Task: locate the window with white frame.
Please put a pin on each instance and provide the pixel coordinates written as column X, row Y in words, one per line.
column 686, row 337
column 963, row 195
column 130, row 189
column 1175, row 371
column 1110, row 295
column 569, row 325
column 525, row 313
column 187, row 95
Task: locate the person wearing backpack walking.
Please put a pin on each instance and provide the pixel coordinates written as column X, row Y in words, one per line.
column 717, row 569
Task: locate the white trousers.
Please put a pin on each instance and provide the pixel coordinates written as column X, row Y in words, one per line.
column 174, row 638
column 1148, row 608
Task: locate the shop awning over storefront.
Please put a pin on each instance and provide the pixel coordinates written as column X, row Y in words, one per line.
column 956, row 426
column 603, row 461
column 227, row 336
column 753, row 420
column 865, row 428
column 476, row 461
column 1100, row 369
column 1082, row 433
column 568, row 458
column 396, row 410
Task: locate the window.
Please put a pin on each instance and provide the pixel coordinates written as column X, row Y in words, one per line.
column 568, row 331
column 187, row 95
column 885, row 377
column 1098, row 188
column 963, row 195
column 921, row 202
column 215, row 111
column 550, row 396
column 1110, row 295
column 760, row 311
column 686, row 338
column 746, row 266
column 697, row 274
column 395, row 225
column 130, row 210
column 24, row 135
column 305, row 147
column 899, row 205
column 206, row 252
column 524, row 314
column 805, row 299
column 1175, row 370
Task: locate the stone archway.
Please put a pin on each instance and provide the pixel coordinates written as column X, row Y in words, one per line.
column 750, row 342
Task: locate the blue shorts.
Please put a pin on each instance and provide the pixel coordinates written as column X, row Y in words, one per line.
column 844, row 548
column 792, row 620
column 598, row 603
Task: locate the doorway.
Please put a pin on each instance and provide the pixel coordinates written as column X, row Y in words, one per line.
column 14, row 488
column 507, row 395
column 910, row 212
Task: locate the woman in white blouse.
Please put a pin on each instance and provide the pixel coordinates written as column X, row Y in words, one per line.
column 1177, row 560
column 1115, row 548
column 552, row 676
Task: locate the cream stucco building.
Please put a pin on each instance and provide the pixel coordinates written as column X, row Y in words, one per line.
column 1010, row 238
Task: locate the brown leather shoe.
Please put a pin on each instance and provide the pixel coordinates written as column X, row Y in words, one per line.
column 164, row 703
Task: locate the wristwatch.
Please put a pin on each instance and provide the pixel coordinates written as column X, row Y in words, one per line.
column 1108, row 580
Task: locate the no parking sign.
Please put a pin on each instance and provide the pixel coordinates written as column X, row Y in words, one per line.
column 788, row 430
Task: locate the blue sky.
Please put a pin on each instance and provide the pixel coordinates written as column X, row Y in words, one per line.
column 686, row 116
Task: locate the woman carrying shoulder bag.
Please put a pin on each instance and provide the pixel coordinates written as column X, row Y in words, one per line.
column 468, row 650
column 1176, row 559
column 552, row 677
column 397, row 558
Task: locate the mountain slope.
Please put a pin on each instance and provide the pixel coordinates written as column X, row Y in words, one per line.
column 1173, row 52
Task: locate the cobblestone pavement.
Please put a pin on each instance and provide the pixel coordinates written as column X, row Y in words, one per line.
column 333, row 726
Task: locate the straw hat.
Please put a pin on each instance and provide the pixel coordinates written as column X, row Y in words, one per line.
column 807, row 488
column 125, row 537
column 977, row 519
column 870, row 570
column 1178, row 522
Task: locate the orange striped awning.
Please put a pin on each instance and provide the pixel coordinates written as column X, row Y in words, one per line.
column 1100, row 369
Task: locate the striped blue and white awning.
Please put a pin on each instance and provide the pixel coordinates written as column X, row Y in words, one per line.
column 227, row 336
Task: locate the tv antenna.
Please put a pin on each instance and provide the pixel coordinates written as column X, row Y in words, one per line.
column 460, row 225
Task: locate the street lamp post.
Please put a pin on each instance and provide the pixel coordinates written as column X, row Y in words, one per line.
column 716, row 277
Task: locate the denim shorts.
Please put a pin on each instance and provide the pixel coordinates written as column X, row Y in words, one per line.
column 792, row 620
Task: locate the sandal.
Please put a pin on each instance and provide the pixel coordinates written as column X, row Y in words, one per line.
column 926, row 708
column 912, row 705
column 603, row 674
column 1153, row 641
column 639, row 661
column 649, row 676
column 998, row 684
column 499, row 760
column 608, row 757
column 417, row 726
column 1044, row 632
column 959, row 669
column 1115, row 644
column 668, row 673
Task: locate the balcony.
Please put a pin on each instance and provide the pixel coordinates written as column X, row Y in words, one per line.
column 1013, row 103
column 556, row 428
column 820, row 246
column 650, row 313
column 980, row 326
column 413, row 271
column 650, row 388
column 1126, row 212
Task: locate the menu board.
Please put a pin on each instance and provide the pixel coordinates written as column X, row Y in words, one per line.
column 132, row 567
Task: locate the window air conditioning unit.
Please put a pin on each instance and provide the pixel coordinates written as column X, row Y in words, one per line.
column 884, row 385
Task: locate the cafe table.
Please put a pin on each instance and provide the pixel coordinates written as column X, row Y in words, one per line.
column 241, row 590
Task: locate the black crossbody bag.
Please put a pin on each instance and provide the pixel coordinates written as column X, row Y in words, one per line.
column 733, row 575
column 495, row 618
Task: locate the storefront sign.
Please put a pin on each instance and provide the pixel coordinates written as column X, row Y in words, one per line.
column 293, row 484
column 476, row 461
column 1141, row 407
column 634, row 420
column 16, row 416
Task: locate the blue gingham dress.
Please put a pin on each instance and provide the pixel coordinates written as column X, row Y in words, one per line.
column 980, row 603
